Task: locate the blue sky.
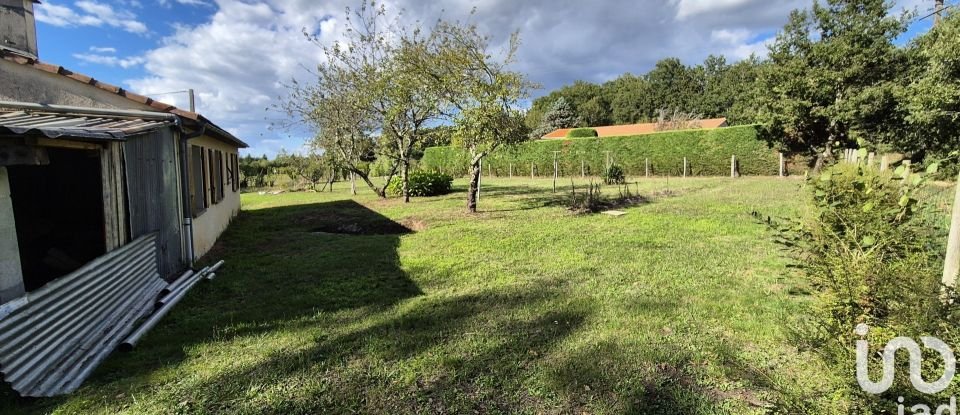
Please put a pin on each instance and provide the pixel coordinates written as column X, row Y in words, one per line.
column 237, row 55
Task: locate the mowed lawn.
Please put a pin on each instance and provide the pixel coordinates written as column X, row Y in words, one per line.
column 680, row 306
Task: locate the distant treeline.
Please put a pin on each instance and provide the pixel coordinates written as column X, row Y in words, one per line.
column 712, row 89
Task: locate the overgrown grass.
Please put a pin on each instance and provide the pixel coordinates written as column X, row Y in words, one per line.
column 677, row 307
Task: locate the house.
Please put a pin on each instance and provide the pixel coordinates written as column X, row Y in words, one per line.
column 634, row 129
column 105, row 197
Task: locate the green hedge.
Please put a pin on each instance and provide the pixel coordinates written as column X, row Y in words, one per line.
column 708, row 153
column 582, row 133
column 422, row 183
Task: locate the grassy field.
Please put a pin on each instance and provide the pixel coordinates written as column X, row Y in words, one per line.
column 677, row 307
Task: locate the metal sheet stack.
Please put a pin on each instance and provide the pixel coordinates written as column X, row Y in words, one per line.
column 52, row 339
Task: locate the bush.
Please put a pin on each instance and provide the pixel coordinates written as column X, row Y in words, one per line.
column 421, row 184
column 872, row 258
column 708, row 152
column 614, row 175
column 582, row 133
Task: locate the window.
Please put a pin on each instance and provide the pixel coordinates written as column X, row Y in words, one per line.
column 197, row 173
column 215, row 175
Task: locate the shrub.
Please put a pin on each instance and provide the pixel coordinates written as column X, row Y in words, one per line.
column 871, row 258
column 422, row 183
column 582, row 133
column 614, row 175
column 708, row 152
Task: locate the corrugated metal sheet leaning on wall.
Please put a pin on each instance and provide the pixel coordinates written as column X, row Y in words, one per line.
column 53, row 338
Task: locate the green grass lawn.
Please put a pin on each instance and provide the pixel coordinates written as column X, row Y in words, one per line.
column 677, row 307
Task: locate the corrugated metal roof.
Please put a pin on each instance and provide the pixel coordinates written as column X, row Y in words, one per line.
column 215, row 130
column 55, row 125
column 52, row 339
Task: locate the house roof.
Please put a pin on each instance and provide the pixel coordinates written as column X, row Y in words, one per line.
column 634, row 129
column 200, row 121
column 97, row 127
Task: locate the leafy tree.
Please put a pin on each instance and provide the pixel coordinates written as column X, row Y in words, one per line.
column 831, row 77
column 629, row 98
column 369, row 100
column 595, row 112
column 485, row 93
column 931, row 99
column 309, row 169
column 561, row 115
column 673, row 86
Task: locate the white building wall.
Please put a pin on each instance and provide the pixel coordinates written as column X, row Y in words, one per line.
column 214, row 220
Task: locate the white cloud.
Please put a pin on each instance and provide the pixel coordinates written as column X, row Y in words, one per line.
column 89, row 13
column 169, row 3
column 238, row 59
column 103, row 49
column 107, row 60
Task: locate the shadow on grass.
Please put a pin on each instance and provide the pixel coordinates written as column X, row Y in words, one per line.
column 476, row 346
column 279, row 271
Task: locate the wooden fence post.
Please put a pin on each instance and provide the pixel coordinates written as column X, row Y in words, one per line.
column 684, row 167
column 884, row 163
column 511, row 170
column 583, row 171
column 783, row 166
column 906, row 169
column 531, row 169
column 733, row 166
column 871, row 157
column 646, row 163
column 951, row 264
column 556, row 170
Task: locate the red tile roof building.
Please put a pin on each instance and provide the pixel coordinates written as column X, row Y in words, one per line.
column 634, row 129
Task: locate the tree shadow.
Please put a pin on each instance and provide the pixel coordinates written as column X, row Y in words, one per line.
column 475, row 342
column 281, row 268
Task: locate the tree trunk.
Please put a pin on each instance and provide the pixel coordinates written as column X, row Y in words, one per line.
column 353, row 183
column 474, row 186
column 404, row 177
column 824, row 157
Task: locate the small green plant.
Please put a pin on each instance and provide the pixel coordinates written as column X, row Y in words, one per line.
column 582, row 133
column 872, row 259
column 422, row 184
column 614, row 175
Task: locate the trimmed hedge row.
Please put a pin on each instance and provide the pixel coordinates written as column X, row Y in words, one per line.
column 581, row 133
column 708, row 153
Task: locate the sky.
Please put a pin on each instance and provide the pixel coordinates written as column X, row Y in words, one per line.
column 238, row 56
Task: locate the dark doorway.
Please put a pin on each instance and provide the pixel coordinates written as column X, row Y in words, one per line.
column 58, row 209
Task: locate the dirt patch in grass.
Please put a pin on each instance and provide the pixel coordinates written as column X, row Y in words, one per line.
column 354, row 228
column 414, row 224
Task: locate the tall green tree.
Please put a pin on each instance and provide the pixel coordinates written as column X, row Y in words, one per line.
column 674, row 87
column 368, row 89
column 480, row 86
column 629, row 98
column 560, row 115
column 930, row 99
column 831, row 77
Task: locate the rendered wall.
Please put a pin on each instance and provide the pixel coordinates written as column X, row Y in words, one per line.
column 214, row 220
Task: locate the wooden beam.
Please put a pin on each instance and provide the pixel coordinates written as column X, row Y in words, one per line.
column 58, row 143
